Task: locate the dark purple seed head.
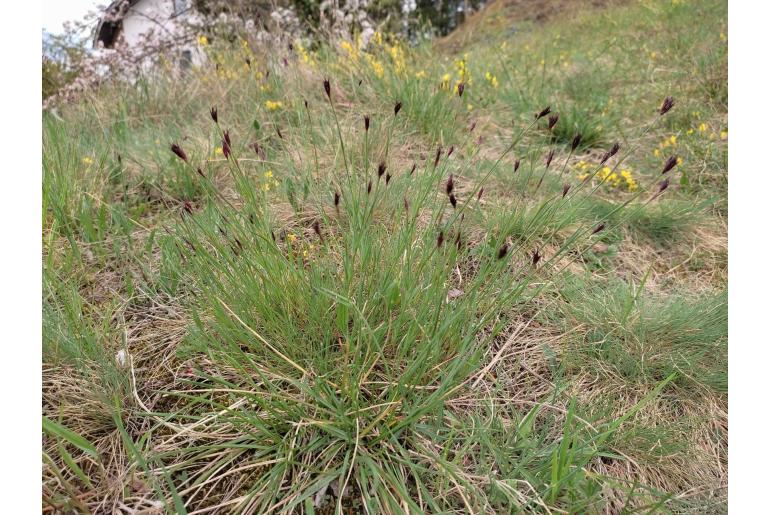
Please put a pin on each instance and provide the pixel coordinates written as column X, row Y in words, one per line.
column 176, row 149
column 565, row 190
column 226, row 145
column 576, row 141
column 336, row 198
column 381, row 169
column 278, row 131
column 473, row 126
column 668, row 103
column 187, row 207
column 214, row 116
column 460, row 89
column 552, row 121
column 599, row 228
column 516, row 165
column 369, row 187
column 317, row 228
column 438, row 156
column 670, row 163
column 440, row 239
column 544, row 112
column 396, row 108
column 453, row 201
column 536, row 258
column 451, row 150
column 481, row 192
column 387, row 178
column 611, row 152
column 662, row 186
column 200, row 172
column 548, row 159
column 366, row 123
column 414, row 167
column 328, row 89
column 502, row 251
column 450, row 184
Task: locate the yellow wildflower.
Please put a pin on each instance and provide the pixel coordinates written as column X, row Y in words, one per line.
column 273, row 106
column 88, row 161
column 656, row 152
column 203, row 40
column 470, row 107
column 703, row 127
column 723, row 135
column 672, row 140
column 722, row 36
column 291, row 237
column 690, row 131
column 268, row 174
column 218, row 151
column 421, row 74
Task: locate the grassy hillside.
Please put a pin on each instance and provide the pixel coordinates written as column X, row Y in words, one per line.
column 411, row 288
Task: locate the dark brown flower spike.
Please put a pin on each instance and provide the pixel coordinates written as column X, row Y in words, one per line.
column 481, row 192
column 548, row 159
column 668, row 103
column 336, row 199
column 453, row 201
column 366, row 123
column 369, row 187
column 503, row 251
column 598, row 228
column 278, row 131
column 328, row 89
column 214, row 116
column 226, row 145
column 451, row 150
column 396, row 108
column 611, row 152
column 248, row 62
column 565, row 190
column 414, row 167
column 535, row 258
column 187, row 207
column 387, row 178
column 460, row 89
column 662, row 186
column 516, row 165
column 317, row 229
column 176, row 149
column 440, row 239
column 200, row 172
column 473, row 126
column 552, row 121
column 450, row 184
column 438, row 156
column 576, row 141
column 544, row 112
column 381, row 169
column 671, row 162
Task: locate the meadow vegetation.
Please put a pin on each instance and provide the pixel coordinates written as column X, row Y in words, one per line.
column 481, row 275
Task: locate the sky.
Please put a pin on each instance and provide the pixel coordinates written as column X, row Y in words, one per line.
column 56, row 12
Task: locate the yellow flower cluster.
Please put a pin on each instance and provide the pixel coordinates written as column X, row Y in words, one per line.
column 273, row 105
column 491, row 79
column 623, row 180
column 303, row 53
column 203, row 40
column 269, row 182
column 87, row 161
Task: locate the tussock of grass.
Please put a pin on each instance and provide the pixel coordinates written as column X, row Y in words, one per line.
column 289, row 330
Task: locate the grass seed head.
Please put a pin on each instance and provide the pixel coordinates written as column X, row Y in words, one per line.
column 481, row 192
column 176, row 149
column 336, row 198
column 611, row 152
column 396, row 108
column 226, row 144
column 670, row 163
column 502, row 251
column 414, row 167
column 536, row 257
column 214, row 116
column 542, row 113
column 576, row 141
column 440, row 239
column 460, row 89
column 453, row 201
column 516, row 165
column 328, row 89
column 599, row 228
column 668, row 103
column 565, row 190
column 450, row 184
column 387, row 178
column 366, row 123
column 438, row 156
column 381, row 169
column 552, row 121
column 548, row 159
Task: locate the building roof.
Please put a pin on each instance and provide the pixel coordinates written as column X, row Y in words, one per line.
column 108, row 29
